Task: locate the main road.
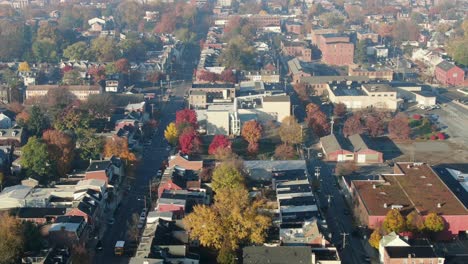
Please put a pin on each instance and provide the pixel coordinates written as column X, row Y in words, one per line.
column 151, row 160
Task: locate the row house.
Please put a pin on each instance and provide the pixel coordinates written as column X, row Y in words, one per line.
column 299, row 50
column 81, row 92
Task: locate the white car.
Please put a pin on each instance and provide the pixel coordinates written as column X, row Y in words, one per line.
column 320, row 155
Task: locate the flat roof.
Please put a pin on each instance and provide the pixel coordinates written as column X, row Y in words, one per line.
column 378, row 87
column 414, row 186
column 346, row 90
column 278, row 98
column 282, row 254
column 415, row 252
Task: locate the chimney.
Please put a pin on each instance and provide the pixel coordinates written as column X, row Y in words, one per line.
column 373, row 186
column 439, row 205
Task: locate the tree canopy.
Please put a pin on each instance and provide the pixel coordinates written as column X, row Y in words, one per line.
column 394, row 221
column 227, row 176
column 290, row 131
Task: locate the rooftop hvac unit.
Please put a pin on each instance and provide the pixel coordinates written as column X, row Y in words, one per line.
column 397, row 206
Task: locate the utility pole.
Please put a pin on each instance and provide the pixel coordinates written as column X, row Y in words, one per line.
column 332, row 122
column 329, row 199
column 344, row 238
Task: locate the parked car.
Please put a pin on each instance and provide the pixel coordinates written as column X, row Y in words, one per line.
column 99, row 245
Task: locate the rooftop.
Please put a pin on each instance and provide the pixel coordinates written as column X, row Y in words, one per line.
column 377, row 87
column 40, row 212
column 445, row 65
column 413, row 186
column 333, row 78
column 415, row 252
column 345, row 89
column 330, row 143
column 212, row 85
column 277, row 255
column 279, row 98
column 98, row 165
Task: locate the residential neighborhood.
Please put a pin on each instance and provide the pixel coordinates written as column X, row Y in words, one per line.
column 243, row 131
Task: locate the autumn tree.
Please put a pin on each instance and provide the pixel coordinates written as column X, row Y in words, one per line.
column 353, row 126
column 399, row 128
column 104, row 49
column 226, row 225
column 118, row 146
column 301, row 90
column 189, row 141
column 285, row 152
column 15, row 107
column 61, row 149
column 375, row 126
column 394, row 221
column 171, row 133
column 72, row 118
column 80, row 254
column 24, row 67
column 339, row 110
column 207, row 76
column 227, row 175
column 11, row 244
column 36, row 160
column 252, row 132
column 346, row 168
column 317, row 120
column 228, row 76
column 122, row 66
column 99, row 105
column 374, row 239
column 414, row 222
column 290, row 131
column 219, row 142
column 238, row 54
column 434, row 223
column 97, row 72
column 188, row 116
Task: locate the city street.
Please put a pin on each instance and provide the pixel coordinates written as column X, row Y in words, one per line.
column 338, row 215
column 152, row 158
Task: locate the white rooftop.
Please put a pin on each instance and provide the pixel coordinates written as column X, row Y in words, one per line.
column 15, row 192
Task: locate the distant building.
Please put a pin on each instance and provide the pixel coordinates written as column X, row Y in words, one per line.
column 449, row 74
column 319, row 84
column 353, row 149
column 374, row 73
column 294, row 27
column 82, row 92
column 369, row 95
column 300, row 50
column 413, row 186
column 336, row 49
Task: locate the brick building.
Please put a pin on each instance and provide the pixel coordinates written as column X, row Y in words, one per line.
column 81, row 92
column 336, row 49
column 412, row 187
column 297, row 49
column 382, row 73
column 294, row 27
column 449, row 74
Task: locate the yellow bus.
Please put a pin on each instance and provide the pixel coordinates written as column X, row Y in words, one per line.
column 119, row 248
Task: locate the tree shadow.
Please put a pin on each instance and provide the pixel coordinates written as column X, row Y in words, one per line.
column 385, row 145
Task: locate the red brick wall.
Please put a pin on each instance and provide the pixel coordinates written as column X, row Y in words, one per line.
column 447, row 78
column 340, row 54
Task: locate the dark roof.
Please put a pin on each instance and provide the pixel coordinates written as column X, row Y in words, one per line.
column 332, row 78
column 164, row 234
column 40, row 212
column 167, row 194
column 212, row 85
column 277, row 255
column 279, row 98
column 298, row 201
column 98, row 165
column 415, row 252
column 70, row 219
column 295, row 188
column 445, row 65
column 288, row 175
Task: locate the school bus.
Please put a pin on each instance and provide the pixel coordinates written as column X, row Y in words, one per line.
column 119, row 248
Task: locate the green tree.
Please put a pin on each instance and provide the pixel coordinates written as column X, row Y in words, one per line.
column 72, row 77
column 35, row 159
column 90, row 145
column 32, row 236
column 11, row 242
column 129, row 13
column 2, row 178
column 226, row 175
column 72, row 118
column 434, row 223
column 394, row 221
column 77, row 51
column 332, row 19
column 238, row 54
column 290, row 131
column 104, row 49
column 132, row 49
column 37, row 122
column 361, row 52
column 45, row 51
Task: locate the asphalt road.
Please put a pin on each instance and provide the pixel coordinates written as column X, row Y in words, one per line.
column 338, row 215
column 152, row 158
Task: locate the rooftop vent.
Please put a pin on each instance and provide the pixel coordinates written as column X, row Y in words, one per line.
column 397, row 206
column 373, row 186
column 429, row 184
column 383, row 193
column 423, row 177
column 385, row 205
column 439, row 205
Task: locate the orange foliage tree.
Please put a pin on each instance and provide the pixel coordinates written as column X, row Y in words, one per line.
column 117, row 146
column 61, row 148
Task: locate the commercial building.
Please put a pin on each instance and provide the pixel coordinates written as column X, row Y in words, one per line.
column 368, row 95
column 319, row 84
column 352, row 149
column 297, row 49
column 382, row 73
column 81, row 92
column 336, row 49
column 412, row 187
column 203, row 94
column 449, row 74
